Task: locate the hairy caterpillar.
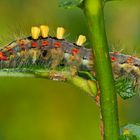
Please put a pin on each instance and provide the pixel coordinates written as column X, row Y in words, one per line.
column 50, row 53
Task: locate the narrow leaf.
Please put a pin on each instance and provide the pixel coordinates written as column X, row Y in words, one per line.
column 70, row 3
column 112, row 0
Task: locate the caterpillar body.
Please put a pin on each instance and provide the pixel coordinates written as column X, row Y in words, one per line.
column 46, row 52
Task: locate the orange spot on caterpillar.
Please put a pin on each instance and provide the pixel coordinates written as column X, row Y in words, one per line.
column 21, row 42
column 2, row 57
column 116, row 52
column 57, row 44
column 34, row 44
column 75, row 51
column 133, row 56
column 45, row 43
column 129, row 60
column 10, row 50
column 113, row 59
column 1, row 54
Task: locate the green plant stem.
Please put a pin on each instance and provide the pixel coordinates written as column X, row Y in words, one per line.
column 93, row 10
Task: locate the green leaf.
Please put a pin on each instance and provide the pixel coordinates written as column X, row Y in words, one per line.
column 86, row 75
column 125, row 86
column 130, row 137
column 70, row 3
column 89, row 86
column 130, row 132
column 112, row 0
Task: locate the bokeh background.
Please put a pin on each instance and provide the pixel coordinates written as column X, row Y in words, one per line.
column 40, row 109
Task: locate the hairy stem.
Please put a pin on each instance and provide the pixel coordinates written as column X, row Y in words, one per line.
column 93, row 10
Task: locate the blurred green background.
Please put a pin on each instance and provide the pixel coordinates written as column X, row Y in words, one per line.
column 40, row 109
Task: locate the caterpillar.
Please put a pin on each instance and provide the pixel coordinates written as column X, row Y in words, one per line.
column 43, row 52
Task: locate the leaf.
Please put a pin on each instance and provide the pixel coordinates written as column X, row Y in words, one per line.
column 130, row 132
column 70, row 3
column 86, row 75
column 89, row 86
column 112, row 0
column 125, row 86
column 130, row 137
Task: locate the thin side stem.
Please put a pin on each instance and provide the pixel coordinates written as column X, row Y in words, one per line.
column 89, row 86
